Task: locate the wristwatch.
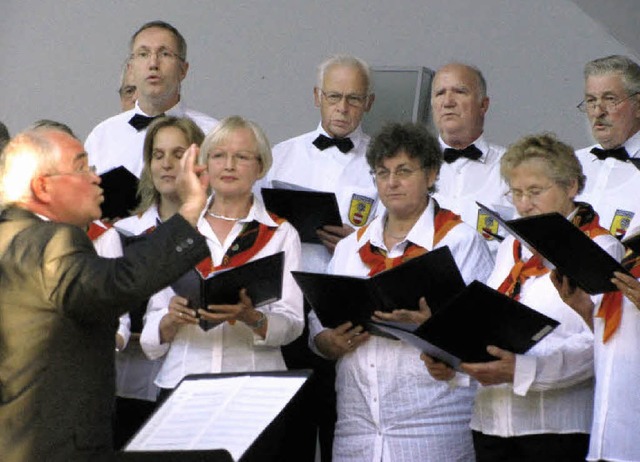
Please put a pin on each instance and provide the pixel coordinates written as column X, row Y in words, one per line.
column 259, row 323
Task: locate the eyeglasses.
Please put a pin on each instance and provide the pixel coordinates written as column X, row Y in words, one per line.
column 162, row 54
column 352, row 100
column 127, row 91
column 85, row 170
column 533, row 194
column 239, row 158
column 402, row 173
column 608, row 103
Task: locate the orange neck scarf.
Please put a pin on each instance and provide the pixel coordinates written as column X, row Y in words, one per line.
column 376, row 259
column 611, row 307
column 585, row 218
column 95, row 230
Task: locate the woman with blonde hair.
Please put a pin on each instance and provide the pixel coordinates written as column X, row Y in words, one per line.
column 166, row 140
column 238, row 229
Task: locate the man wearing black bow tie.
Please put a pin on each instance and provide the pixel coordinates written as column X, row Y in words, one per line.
column 612, row 104
column 158, row 64
column 471, row 171
column 330, row 158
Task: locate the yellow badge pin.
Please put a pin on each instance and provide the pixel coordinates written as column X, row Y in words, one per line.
column 360, row 209
column 487, row 225
column 620, row 222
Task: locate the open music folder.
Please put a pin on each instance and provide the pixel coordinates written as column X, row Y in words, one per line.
column 224, row 416
column 567, row 248
column 337, row 299
column 477, row 317
column 306, row 210
column 261, row 277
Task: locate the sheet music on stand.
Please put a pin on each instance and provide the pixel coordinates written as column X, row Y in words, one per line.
column 218, row 411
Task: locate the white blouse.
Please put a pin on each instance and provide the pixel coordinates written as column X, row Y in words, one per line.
column 553, row 383
column 389, row 407
column 230, row 348
column 615, row 435
column 135, row 373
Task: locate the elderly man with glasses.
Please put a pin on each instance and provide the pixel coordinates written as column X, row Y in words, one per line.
column 612, row 104
column 329, row 158
column 59, row 301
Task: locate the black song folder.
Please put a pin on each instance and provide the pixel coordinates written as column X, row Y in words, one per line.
column 262, row 278
column 567, row 248
column 337, row 299
column 477, row 317
column 120, row 189
column 632, row 242
column 305, row 210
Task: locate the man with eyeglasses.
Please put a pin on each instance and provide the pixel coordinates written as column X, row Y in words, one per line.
column 60, row 302
column 157, row 64
column 329, row 158
column 471, row 168
column 127, row 90
column 612, row 105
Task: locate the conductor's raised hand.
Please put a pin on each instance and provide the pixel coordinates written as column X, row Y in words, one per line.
column 192, row 183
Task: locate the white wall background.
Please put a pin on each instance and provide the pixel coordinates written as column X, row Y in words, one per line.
column 257, row 58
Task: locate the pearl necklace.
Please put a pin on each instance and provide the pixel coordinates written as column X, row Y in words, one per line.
column 222, row 217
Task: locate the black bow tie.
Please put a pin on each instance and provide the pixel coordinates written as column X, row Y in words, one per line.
column 140, row 122
column 323, row 142
column 617, row 153
column 470, row 152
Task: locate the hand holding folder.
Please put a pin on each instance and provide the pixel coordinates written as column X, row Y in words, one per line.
column 479, row 316
column 262, row 279
column 338, row 299
column 566, row 247
column 306, row 210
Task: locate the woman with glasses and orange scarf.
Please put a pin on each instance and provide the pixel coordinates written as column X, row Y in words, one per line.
column 389, row 408
column 538, row 406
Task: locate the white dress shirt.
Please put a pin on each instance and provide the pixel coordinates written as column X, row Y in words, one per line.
column 113, row 142
column 463, row 182
column 299, row 162
column 615, row 435
column 226, row 347
column 389, row 407
column 613, row 188
column 135, row 373
column 552, row 390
